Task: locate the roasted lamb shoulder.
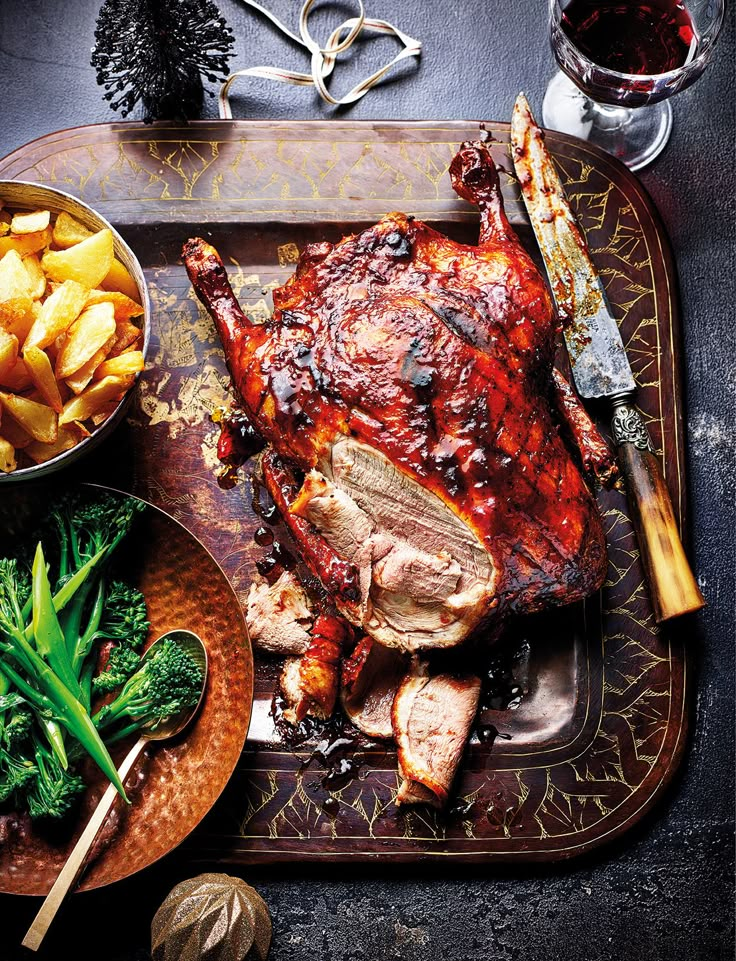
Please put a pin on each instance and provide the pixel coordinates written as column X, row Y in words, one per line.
column 408, row 379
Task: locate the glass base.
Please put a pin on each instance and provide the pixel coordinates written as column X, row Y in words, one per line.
column 635, row 136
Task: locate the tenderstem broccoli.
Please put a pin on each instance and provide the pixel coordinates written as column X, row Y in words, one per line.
column 28, row 670
column 52, row 790
column 118, row 614
column 55, row 613
column 167, row 682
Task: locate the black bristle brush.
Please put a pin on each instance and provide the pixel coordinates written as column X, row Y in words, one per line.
column 157, row 52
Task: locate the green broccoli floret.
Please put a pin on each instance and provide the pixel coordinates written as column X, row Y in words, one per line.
column 122, row 663
column 17, row 730
column 15, row 589
column 118, row 614
column 53, row 791
column 88, row 525
column 125, row 617
column 15, row 774
column 166, row 683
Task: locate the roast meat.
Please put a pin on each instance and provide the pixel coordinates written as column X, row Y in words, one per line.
column 410, row 378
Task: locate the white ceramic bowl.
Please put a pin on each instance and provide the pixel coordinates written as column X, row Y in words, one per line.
column 23, row 195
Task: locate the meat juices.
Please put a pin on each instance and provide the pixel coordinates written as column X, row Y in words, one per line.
column 409, row 380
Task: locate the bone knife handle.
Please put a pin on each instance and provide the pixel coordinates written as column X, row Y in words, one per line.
column 672, row 585
column 76, row 860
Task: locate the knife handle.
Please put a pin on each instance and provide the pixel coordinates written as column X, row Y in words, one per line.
column 672, row 585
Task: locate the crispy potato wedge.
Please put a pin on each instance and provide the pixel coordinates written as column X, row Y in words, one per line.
column 58, row 313
column 8, row 351
column 68, row 231
column 119, row 278
column 127, row 334
column 87, row 262
column 36, row 276
column 93, row 328
column 89, row 402
column 23, row 323
column 16, row 379
column 30, row 222
column 80, row 378
column 137, row 344
column 121, row 366
column 8, row 462
column 13, row 432
column 15, row 289
column 69, row 436
column 37, row 419
column 41, row 373
column 104, row 412
column 5, row 220
column 25, row 244
column 125, row 307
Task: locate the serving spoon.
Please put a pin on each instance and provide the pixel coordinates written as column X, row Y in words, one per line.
column 171, row 726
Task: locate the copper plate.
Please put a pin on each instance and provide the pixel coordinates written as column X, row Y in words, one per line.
column 602, row 729
column 177, row 782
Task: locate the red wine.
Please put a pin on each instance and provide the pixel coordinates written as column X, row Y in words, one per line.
column 631, row 36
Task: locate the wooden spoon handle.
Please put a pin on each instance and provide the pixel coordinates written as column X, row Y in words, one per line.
column 671, row 582
column 75, row 862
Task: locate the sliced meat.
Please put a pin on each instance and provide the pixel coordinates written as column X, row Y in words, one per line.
column 348, row 530
column 310, row 685
column 432, row 717
column 428, row 578
column 339, row 578
column 370, row 679
column 425, row 580
column 279, row 616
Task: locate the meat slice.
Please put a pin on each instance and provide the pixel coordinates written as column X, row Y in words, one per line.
column 415, row 374
column 347, row 529
column 425, row 581
column 432, row 717
column 339, row 578
column 370, row 679
column 279, row 616
column 310, row 684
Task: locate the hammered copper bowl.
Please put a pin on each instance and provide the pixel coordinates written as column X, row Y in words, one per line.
column 176, row 782
column 24, row 195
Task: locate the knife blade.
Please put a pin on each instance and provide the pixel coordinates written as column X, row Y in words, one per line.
column 597, row 354
column 600, row 366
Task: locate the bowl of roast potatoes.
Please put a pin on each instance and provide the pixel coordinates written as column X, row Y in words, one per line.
column 74, row 329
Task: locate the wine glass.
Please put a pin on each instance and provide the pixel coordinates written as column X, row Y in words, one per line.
column 620, row 60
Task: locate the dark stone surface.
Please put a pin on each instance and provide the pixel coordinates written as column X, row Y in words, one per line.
column 665, row 891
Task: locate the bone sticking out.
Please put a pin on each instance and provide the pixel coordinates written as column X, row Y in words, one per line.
column 474, row 177
column 595, row 453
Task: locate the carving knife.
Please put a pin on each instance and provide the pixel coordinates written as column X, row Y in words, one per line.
column 600, row 366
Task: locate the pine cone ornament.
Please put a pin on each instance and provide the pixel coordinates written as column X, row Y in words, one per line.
column 213, row 917
column 156, row 52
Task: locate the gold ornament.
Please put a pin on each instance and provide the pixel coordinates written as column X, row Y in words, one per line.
column 213, row 917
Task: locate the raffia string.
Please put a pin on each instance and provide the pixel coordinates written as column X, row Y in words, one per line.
column 323, row 58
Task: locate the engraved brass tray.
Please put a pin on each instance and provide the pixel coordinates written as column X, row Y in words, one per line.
column 602, row 726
